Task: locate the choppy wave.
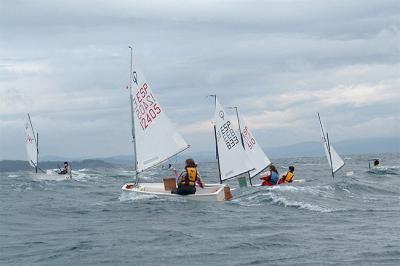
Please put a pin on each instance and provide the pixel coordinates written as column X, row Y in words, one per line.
column 131, row 196
column 381, row 171
column 136, row 197
column 298, row 223
column 350, row 173
column 298, row 204
column 276, row 196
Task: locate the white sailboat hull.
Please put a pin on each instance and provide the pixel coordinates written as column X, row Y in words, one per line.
column 51, row 175
column 210, row 192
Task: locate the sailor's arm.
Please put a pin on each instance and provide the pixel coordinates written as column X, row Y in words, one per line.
column 200, row 180
column 179, row 178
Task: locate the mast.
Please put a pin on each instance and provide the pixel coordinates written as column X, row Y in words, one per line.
column 36, row 138
column 322, row 128
column 217, row 155
column 241, row 137
column 37, row 152
column 132, row 78
column 238, row 121
column 330, row 156
column 216, row 142
column 327, row 144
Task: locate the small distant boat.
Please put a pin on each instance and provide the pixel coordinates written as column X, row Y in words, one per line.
column 32, row 143
column 32, row 150
column 375, row 163
column 334, row 160
column 375, row 167
column 155, row 140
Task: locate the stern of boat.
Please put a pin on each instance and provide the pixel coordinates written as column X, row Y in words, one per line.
column 130, row 187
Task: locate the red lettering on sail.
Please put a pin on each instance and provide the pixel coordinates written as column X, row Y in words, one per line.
column 248, row 138
column 146, row 107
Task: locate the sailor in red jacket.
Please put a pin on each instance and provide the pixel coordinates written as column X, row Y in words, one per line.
column 272, row 178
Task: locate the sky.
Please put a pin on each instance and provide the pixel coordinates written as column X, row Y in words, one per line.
column 280, row 62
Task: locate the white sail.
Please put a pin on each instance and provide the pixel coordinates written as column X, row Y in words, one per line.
column 155, row 136
column 337, row 161
column 258, row 159
column 31, row 143
column 334, row 160
column 233, row 159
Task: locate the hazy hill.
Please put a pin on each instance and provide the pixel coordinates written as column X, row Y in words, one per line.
column 315, row 148
column 19, row 165
column 303, row 149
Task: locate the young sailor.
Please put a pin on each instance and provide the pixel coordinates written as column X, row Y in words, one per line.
column 66, row 170
column 187, row 179
column 288, row 178
column 272, row 178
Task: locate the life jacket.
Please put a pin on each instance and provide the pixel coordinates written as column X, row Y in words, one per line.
column 289, row 177
column 274, row 177
column 190, row 178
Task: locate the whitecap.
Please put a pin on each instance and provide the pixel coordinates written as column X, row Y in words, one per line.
column 348, row 191
column 132, row 196
column 300, row 204
column 49, row 177
column 286, row 188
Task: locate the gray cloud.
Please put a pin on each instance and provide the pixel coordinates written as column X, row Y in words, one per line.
column 67, row 63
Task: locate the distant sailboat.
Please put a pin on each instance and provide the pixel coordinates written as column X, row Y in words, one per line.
column 32, row 150
column 156, row 140
column 257, row 157
column 334, row 160
column 32, row 143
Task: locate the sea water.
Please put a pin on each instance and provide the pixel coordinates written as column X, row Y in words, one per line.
column 353, row 219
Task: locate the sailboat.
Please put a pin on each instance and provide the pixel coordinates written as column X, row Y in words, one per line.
column 257, row 157
column 334, row 160
column 232, row 158
column 155, row 140
column 32, row 143
column 32, row 151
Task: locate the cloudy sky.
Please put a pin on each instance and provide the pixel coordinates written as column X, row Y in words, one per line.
column 279, row 61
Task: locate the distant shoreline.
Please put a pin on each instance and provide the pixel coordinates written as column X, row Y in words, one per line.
column 112, row 163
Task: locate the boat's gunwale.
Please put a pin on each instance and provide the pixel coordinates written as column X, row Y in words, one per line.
column 137, row 189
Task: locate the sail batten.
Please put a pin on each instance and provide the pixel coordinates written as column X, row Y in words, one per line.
column 232, row 157
column 155, row 137
column 165, row 159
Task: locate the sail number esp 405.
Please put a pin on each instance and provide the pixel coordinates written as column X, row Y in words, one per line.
column 248, row 138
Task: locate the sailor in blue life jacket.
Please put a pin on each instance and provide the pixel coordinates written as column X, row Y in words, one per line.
column 272, row 178
column 187, row 179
